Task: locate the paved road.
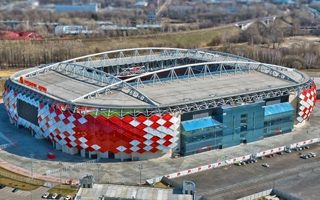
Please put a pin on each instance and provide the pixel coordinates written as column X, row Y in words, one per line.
column 127, row 172
column 286, row 172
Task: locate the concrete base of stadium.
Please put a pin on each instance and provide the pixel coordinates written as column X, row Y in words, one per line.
column 109, row 155
column 128, row 172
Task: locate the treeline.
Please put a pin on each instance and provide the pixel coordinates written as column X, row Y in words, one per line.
column 264, row 43
column 31, row 53
column 304, row 55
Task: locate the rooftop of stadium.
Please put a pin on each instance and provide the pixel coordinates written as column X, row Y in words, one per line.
column 158, row 77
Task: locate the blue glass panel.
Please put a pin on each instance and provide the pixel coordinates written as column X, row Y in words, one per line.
column 200, row 123
column 277, row 109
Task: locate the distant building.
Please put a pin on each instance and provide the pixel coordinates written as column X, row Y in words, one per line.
column 33, row 3
column 249, row 1
column 141, row 3
column 104, row 23
column 219, row 1
column 283, row 1
column 148, row 26
column 152, row 17
column 71, row 30
column 115, row 27
column 92, row 7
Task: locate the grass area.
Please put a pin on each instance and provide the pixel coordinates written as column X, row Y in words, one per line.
column 4, row 73
column 160, row 185
column 8, row 72
column 311, row 72
column 1, row 87
column 186, row 39
column 12, row 179
column 53, row 50
column 18, row 184
column 64, row 190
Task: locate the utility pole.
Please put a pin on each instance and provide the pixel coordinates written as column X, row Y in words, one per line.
column 140, row 168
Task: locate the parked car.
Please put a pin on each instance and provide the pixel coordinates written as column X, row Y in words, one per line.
column 298, row 148
column 238, row 163
column 55, row 196
column 312, row 154
column 266, row 165
column 306, row 156
column 15, row 190
column 69, row 197
column 45, row 195
column 252, row 160
column 2, row 186
column 288, row 150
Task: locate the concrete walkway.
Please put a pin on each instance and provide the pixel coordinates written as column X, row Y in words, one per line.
column 128, row 172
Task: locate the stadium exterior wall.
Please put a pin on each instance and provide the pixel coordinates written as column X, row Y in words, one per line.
column 100, row 136
column 106, row 137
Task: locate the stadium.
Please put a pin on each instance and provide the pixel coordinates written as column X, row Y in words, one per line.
column 143, row 103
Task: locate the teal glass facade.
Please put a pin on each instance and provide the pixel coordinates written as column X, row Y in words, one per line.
column 242, row 124
column 205, row 137
column 233, row 125
column 279, row 119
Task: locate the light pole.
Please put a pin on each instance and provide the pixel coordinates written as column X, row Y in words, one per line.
column 31, row 157
column 60, row 169
column 140, row 169
column 98, row 178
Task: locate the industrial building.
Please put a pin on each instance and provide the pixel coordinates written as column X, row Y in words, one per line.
column 143, row 103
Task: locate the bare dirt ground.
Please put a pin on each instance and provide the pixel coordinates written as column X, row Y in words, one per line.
column 299, row 40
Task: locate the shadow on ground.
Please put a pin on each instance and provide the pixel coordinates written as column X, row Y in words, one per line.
column 24, row 144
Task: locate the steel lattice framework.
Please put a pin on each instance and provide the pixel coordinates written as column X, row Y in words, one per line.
column 102, row 70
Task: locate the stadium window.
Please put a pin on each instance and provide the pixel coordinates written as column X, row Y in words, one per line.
column 200, row 115
column 243, row 122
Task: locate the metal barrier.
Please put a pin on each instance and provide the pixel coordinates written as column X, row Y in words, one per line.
column 63, row 169
column 257, row 195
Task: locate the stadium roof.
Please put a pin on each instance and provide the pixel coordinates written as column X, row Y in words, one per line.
column 160, row 79
column 169, row 93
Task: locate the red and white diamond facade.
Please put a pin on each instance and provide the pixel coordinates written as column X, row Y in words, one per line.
column 307, row 102
column 75, row 131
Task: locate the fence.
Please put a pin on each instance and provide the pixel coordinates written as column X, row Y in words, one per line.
column 63, row 169
column 257, row 195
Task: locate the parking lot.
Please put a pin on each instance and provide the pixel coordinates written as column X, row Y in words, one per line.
column 233, row 181
column 7, row 194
